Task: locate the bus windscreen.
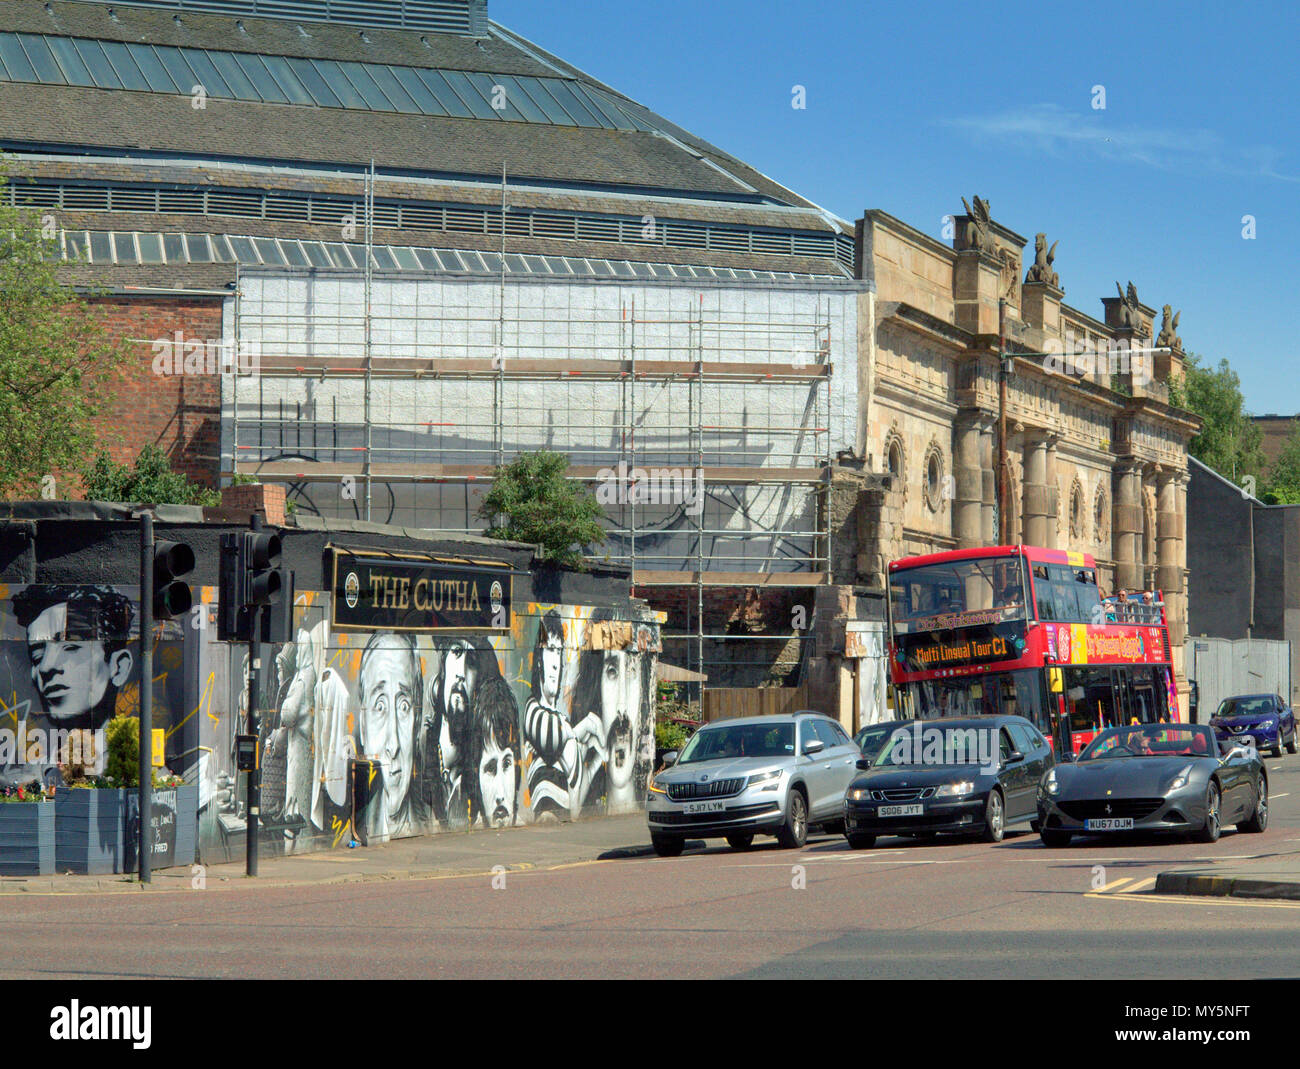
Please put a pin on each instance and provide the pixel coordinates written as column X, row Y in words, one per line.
column 959, row 593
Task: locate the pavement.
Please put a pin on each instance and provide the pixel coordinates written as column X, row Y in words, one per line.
column 534, row 846
column 1280, row 879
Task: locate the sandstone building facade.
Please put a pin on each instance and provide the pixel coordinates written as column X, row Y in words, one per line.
column 1096, row 455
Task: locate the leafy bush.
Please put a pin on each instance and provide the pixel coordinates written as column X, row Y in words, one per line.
column 123, row 768
column 150, row 482
column 670, row 735
column 531, row 500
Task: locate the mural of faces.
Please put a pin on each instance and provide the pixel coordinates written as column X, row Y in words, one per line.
column 552, row 662
column 459, row 677
column 446, row 718
column 498, row 779
column 76, row 643
column 495, row 741
column 389, row 693
column 620, row 689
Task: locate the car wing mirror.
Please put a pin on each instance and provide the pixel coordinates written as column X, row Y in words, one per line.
column 670, row 758
column 1014, row 758
column 813, row 746
column 864, row 764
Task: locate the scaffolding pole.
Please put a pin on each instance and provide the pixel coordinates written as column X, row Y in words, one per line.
column 418, row 431
column 699, row 467
column 370, row 241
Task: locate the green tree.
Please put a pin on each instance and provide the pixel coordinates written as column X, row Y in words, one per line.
column 1282, row 486
column 150, row 482
column 1229, row 441
column 532, row 501
column 56, row 357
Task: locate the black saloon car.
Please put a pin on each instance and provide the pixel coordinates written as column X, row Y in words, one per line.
column 1154, row 778
column 975, row 775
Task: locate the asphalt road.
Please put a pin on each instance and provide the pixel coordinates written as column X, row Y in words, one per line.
column 905, row 909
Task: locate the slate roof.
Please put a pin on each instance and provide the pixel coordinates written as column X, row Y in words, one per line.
column 670, row 174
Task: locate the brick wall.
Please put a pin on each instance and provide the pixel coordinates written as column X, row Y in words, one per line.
column 181, row 414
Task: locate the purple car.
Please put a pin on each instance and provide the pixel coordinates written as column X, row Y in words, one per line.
column 1264, row 717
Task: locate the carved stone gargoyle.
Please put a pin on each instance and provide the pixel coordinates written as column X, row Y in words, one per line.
column 1129, row 313
column 977, row 233
column 1041, row 269
column 1169, row 338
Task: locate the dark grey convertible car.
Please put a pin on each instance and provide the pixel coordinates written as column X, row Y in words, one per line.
column 1154, row 777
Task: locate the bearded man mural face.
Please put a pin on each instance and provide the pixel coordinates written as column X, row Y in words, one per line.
column 459, row 676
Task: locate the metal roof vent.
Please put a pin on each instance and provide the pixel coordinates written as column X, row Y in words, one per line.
column 466, row 17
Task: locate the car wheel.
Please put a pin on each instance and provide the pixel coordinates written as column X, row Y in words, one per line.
column 1259, row 819
column 861, row 841
column 794, row 832
column 740, row 842
column 1277, row 746
column 994, row 817
column 667, row 847
column 1290, row 746
column 1210, row 833
column 1054, row 837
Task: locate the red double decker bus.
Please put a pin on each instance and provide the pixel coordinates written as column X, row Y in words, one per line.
column 1024, row 631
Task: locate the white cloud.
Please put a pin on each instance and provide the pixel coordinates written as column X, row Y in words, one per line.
column 1053, row 131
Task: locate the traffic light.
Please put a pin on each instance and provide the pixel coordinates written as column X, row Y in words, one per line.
column 172, row 562
column 262, row 562
column 250, row 578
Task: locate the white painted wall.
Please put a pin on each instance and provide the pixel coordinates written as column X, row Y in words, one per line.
column 545, row 318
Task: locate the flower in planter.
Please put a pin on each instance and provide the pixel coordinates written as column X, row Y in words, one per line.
column 15, row 795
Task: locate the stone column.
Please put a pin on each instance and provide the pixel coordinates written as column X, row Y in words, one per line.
column 1176, row 614
column 1053, row 496
column 1169, row 544
column 988, row 459
column 967, row 454
column 1036, row 510
column 1126, row 522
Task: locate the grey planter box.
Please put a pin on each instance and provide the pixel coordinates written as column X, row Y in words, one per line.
column 90, row 833
column 27, row 839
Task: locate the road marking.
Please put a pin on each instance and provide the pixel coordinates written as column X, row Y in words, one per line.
column 1114, row 885
column 1286, row 795
column 1149, row 882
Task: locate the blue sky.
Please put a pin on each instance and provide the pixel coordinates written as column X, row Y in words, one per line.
column 911, row 106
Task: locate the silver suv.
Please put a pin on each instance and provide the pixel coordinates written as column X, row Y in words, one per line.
column 762, row 775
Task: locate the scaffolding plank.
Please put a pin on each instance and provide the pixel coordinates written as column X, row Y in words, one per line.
column 645, row 577
column 328, row 471
column 280, row 366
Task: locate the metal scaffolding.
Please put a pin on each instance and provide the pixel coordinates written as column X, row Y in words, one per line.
column 388, row 406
